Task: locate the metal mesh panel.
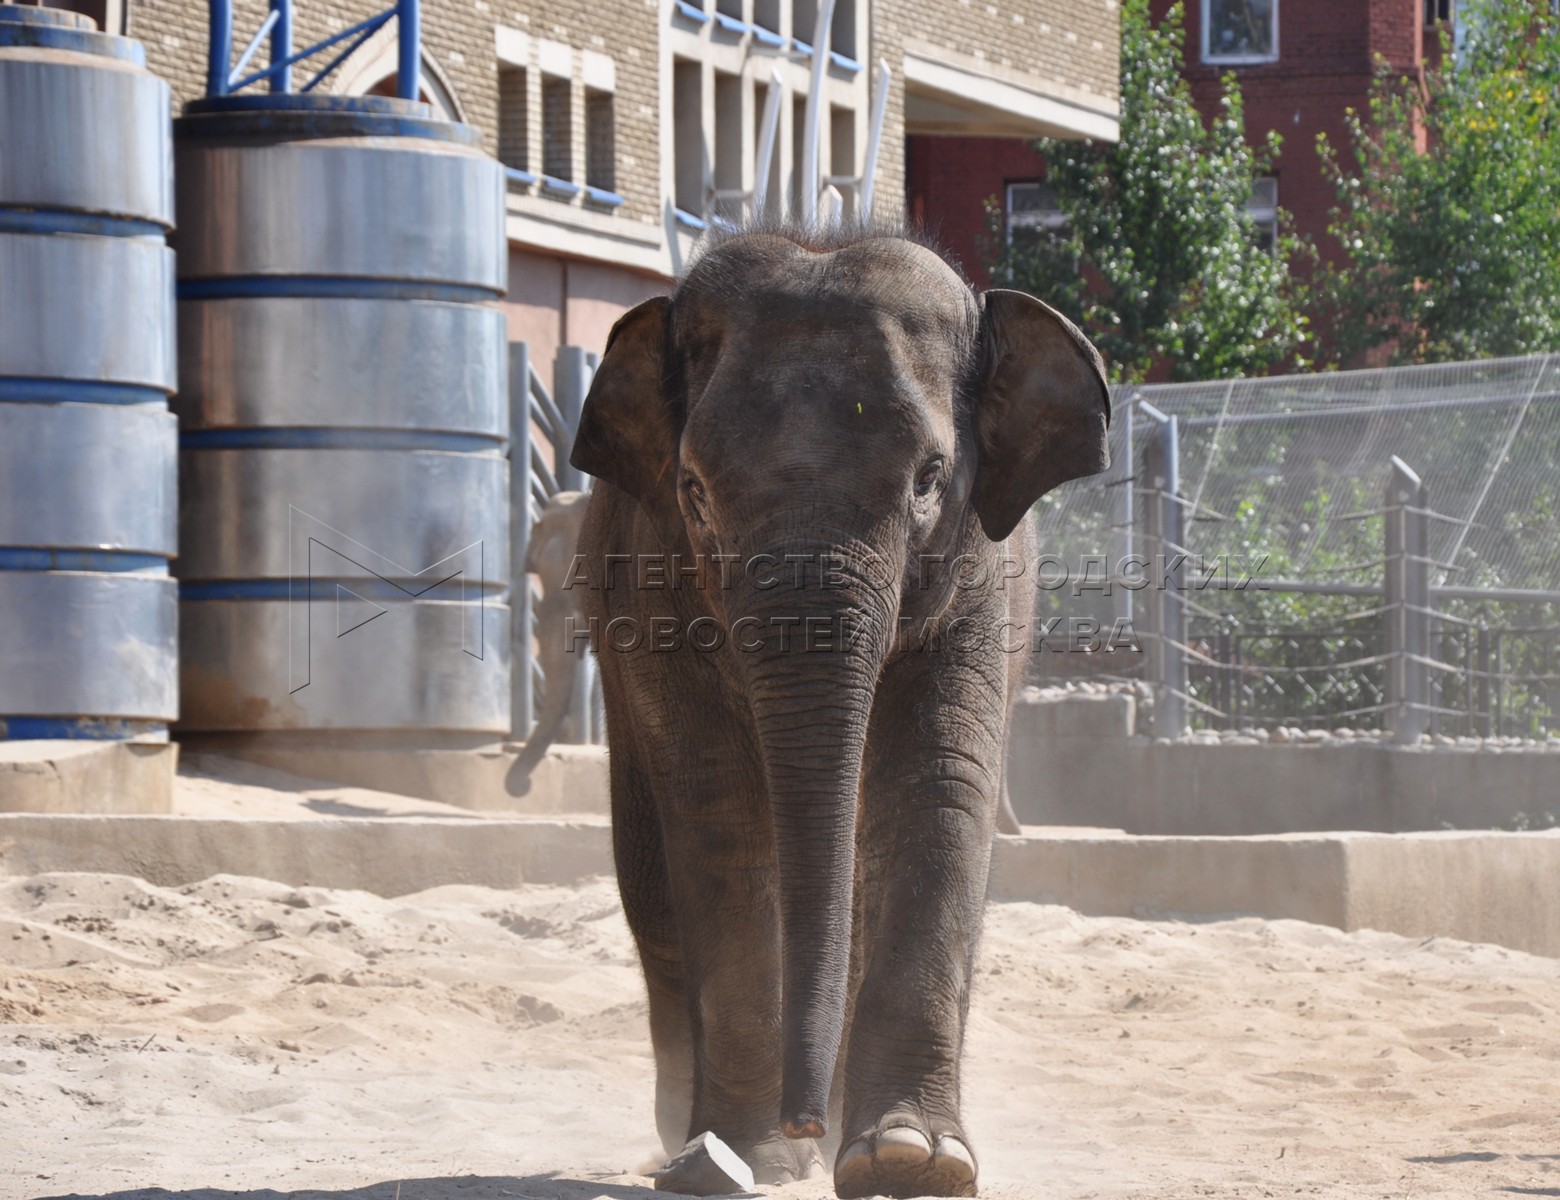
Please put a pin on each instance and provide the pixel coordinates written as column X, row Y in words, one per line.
column 1284, row 464
column 1293, row 473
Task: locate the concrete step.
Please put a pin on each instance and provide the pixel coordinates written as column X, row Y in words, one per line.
column 48, row 776
column 1482, row 887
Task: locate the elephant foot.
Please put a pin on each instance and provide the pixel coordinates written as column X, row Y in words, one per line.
column 900, row 1161
column 779, row 1160
column 707, row 1166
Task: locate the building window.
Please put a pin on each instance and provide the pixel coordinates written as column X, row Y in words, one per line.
column 798, row 149
column 1262, row 208
column 1239, row 31
column 557, row 129
column 1033, row 215
column 1437, row 11
column 842, row 29
column 514, row 119
column 842, row 156
column 766, row 15
column 600, row 141
column 729, row 196
column 688, row 150
column 804, row 20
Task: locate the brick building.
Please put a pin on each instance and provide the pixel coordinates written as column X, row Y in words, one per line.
column 628, row 126
column 1300, row 66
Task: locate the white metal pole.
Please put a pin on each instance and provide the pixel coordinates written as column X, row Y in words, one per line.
column 815, row 112
column 874, row 140
column 831, row 206
column 766, row 144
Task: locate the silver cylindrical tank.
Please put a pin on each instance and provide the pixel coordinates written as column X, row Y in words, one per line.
column 88, row 610
column 344, row 493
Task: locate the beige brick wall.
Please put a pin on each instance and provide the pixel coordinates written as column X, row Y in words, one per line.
column 458, row 37
column 1074, row 43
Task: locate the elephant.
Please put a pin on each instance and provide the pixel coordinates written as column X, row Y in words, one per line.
column 812, row 458
column 549, row 551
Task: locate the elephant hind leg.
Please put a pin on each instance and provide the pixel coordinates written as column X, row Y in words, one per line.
column 646, row 893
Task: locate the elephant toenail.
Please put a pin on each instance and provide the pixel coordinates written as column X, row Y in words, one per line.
column 902, row 1145
column 858, row 1149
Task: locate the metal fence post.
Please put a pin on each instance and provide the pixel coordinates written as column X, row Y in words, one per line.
column 1407, row 553
column 571, row 380
column 1122, row 519
column 522, row 691
column 572, row 372
column 1166, row 542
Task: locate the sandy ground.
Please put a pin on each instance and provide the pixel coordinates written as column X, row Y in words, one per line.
column 238, row 1038
column 210, row 785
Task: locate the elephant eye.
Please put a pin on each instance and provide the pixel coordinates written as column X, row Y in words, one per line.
column 695, row 491
column 927, row 479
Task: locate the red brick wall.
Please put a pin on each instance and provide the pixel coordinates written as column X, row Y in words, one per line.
column 1326, row 51
column 947, row 182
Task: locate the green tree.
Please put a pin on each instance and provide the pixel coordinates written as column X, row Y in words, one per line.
column 1449, row 200
column 1159, row 254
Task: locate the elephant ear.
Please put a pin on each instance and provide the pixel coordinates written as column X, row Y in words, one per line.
column 628, row 430
column 1044, row 408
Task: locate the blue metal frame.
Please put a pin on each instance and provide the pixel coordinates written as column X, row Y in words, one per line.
column 223, row 80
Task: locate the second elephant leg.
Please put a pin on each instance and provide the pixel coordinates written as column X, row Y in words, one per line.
column 929, row 811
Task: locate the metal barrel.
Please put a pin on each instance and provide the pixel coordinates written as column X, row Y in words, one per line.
column 88, row 610
column 344, row 517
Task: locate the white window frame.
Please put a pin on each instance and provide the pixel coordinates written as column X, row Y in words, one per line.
column 1236, row 60
column 1052, row 220
column 1265, row 216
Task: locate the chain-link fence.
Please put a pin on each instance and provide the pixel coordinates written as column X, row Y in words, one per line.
column 1375, row 549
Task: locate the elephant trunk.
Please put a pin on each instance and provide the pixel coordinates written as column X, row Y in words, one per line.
column 811, row 701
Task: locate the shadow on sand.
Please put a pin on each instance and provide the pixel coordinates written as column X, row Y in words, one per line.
column 552, row 1186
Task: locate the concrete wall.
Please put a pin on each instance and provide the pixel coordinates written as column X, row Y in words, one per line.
column 1490, row 887
column 556, row 301
column 1478, row 887
column 1078, row 762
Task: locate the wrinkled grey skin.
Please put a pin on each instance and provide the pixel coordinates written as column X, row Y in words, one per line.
column 803, row 838
column 549, row 552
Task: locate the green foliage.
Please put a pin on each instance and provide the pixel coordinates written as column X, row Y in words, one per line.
column 1159, row 254
column 1449, row 201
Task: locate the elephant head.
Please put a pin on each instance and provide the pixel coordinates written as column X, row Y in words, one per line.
column 833, row 411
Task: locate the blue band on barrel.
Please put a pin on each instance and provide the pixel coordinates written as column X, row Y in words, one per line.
column 338, row 437
column 23, row 390
column 49, row 558
column 48, row 220
column 445, row 586
column 96, row 729
column 246, row 287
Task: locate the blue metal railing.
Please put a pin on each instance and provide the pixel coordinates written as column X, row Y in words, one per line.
column 223, row 79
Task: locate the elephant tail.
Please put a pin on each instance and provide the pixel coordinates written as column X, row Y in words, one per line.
column 542, row 737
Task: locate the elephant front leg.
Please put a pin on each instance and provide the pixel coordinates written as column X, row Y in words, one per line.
column 723, row 885
column 929, row 810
